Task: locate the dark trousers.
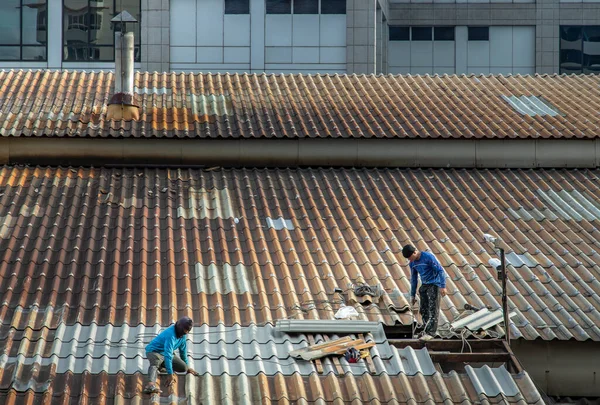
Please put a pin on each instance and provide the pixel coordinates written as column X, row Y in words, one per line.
column 430, row 307
column 157, row 361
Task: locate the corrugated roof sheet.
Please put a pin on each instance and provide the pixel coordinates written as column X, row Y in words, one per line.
column 74, row 255
column 85, row 277
column 297, row 106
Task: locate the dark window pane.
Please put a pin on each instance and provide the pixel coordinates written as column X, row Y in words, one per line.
column 34, row 53
column 333, row 6
column 306, row 6
column 102, row 53
column 9, row 22
column 571, row 46
column 443, row 33
column 399, row 33
column 421, row 33
column 279, row 6
column 237, row 6
column 479, row 33
column 591, row 49
column 9, row 53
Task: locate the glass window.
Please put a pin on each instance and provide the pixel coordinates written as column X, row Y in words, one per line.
column 23, row 31
column 237, row 6
column 89, row 35
column 421, row 33
column 479, row 33
column 333, row 6
column 579, row 49
column 399, row 33
column 443, row 33
column 306, row 6
column 279, row 6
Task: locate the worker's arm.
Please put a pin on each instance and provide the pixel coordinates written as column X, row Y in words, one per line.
column 435, row 264
column 183, row 351
column 414, row 280
column 168, row 353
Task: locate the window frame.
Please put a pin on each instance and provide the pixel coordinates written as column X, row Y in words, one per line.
column 93, row 49
column 22, row 45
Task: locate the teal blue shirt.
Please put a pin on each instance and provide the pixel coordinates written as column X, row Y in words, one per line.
column 166, row 343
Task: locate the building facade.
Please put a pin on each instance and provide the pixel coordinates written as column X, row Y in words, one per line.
column 308, row 36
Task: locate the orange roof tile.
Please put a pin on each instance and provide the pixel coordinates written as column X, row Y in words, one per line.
column 73, row 104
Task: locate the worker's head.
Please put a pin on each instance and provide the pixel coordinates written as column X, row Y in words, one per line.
column 183, row 326
column 410, row 252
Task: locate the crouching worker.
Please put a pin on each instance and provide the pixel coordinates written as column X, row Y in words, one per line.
column 160, row 353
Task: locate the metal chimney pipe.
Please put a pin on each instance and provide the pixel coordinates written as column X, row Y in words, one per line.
column 124, row 63
column 121, row 105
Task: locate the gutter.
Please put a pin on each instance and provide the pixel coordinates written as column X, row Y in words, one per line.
column 440, row 153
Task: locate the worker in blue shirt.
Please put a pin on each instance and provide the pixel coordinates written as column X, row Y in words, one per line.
column 160, row 353
column 433, row 285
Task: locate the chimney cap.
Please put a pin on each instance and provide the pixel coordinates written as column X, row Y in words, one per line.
column 124, row 16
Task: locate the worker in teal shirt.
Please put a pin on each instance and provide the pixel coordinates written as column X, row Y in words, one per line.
column 160, row 353
column 433, row 285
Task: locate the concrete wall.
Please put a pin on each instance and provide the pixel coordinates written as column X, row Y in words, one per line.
column 510, row 50
column 561, row 368
column 545, row 15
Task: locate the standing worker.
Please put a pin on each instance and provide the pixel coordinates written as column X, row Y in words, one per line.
column 433, row 285
column 160, row 353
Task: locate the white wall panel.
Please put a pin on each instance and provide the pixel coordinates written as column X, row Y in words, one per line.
column 524, row 47
column 399, row 70
column 399, row 53
column 478, row 54
column 236, row 30
column 209, row 54
column 332, row 54
column 278, row 30
column 240, row 54
column 421, row 54
column 442, row 70
column 501, row 46
column 305, row 55
column 423, row 70
column 183, row 54
column 280, row 54
column 443, row 53
column 305, row 28
column 209, row 22
column 183, row 19
column 332, row 30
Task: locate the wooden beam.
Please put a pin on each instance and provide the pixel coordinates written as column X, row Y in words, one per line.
column 448, row 345
column 515, row 362
column 482, row 357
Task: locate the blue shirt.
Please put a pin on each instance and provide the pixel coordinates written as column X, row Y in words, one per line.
column 166, row 343
column 430, row 270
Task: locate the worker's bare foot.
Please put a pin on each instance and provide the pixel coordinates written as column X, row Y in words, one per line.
column 152, row 389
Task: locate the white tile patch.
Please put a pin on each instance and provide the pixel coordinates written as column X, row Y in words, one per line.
column 211, row 104
column 280, row 223
column 225, row 279
column 213, row 203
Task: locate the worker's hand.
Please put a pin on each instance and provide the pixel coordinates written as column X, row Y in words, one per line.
column 193, row 372
column 171, row 380
column 443, row 292
column 413, row 300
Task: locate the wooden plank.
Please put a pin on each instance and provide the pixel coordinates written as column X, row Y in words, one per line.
column 482, row 357
column 368, row 359
column 336, row 362
column 318, row 364
column 335, row 349
column 298, row 353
